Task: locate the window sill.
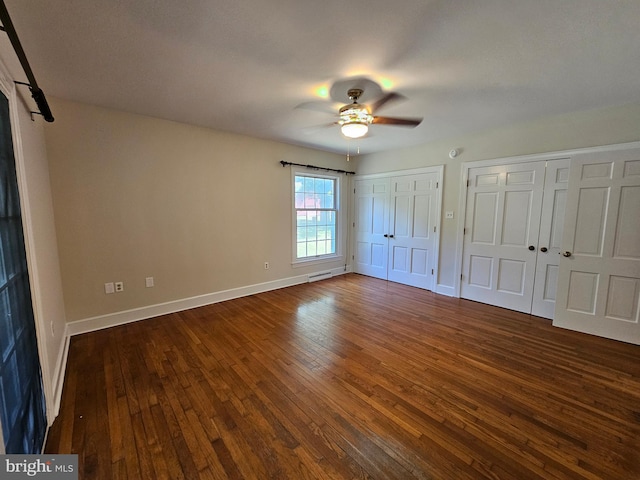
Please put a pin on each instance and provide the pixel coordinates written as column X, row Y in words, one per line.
column 316, row 260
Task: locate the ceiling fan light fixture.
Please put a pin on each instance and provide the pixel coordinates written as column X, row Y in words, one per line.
column 354, row 130
column 354, row 120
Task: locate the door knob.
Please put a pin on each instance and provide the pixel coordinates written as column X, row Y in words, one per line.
column 543, row 249
column 566, row 254
column 390, row 236
column 531, row 247
column 386, row 236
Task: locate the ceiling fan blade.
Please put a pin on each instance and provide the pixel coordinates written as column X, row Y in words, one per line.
column 402, row 122
column 324, row 107
column 389, row 97
column 317, row 128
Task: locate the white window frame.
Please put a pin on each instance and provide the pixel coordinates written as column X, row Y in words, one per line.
column 332, row 257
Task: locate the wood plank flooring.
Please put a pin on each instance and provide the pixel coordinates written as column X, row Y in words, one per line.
column 351, row 377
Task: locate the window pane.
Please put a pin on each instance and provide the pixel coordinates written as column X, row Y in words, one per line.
column 311, row 233
column 308, row 184
column 330, row 200
column 311, row 201
column 331, row 232
column 328, row 186
column 6, row 339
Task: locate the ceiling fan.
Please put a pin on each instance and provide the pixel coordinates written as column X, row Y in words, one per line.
column 354, row 118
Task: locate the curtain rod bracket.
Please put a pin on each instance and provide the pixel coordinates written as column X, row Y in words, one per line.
column 40, row 99
column 36, row 92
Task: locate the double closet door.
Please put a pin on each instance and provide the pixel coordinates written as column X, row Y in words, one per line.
column 397, row 227
column 513, row 233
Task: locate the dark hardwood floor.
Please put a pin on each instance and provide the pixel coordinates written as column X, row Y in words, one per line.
column 350, row 377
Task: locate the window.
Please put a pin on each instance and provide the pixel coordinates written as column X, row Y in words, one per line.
column 316, row 216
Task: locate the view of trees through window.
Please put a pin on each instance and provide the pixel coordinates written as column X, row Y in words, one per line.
column 315, row 204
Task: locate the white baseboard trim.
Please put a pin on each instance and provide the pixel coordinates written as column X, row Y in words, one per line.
column 446, row 290
column 58, row 377
column 127, row 316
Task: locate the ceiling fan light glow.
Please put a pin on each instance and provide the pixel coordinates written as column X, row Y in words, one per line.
column 354, row 120
column 354, row 130
column 321, row 91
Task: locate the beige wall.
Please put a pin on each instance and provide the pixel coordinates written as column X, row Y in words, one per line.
column 565, row 132
column 198, row 210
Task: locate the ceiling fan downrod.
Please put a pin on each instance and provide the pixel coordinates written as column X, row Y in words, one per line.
column 354, row 94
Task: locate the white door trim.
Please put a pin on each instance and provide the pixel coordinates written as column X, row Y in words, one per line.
column 466, row 166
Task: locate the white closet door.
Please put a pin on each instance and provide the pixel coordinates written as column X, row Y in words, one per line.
column 371, row 227
column 412, row 232
column 501, row 234
column 599, row 278
column 550, row 239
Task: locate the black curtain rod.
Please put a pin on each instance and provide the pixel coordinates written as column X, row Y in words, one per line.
column 36, row 92
column 313, row 167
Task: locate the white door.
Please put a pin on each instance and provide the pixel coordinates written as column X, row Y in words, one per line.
column 371, row 227
column 550, row 238
column 501, row 234
column 413, row 229
column 599, row 277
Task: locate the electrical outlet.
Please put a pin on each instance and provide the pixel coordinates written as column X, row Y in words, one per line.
column 266, row 265
column 119, row 286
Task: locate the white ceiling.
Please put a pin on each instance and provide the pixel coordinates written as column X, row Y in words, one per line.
column 247, row 66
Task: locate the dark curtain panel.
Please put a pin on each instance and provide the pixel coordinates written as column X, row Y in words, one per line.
column 21, row 395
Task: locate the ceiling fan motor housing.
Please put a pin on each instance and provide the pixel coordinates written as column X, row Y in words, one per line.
column 355, row 112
